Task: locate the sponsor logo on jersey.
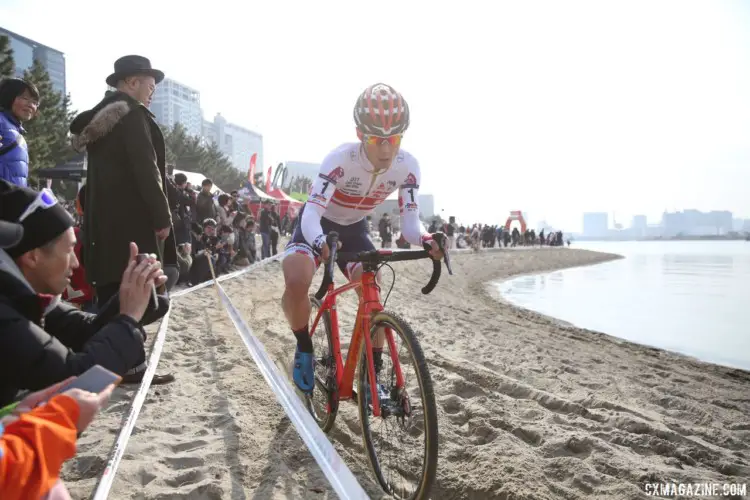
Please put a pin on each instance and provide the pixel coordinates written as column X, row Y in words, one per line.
column 353, row 184
column 320, row 199
column 410, row 183
column 334, row 175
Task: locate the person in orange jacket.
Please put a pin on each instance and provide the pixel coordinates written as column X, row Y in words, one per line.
column 37, row 437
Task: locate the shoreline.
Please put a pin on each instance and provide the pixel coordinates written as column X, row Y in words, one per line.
column 527, row 408
column 494, row 292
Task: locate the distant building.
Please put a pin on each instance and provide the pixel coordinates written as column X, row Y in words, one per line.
column 26, row 51
column 236, row 142
column 174, row 103
column 696, row 223
column 639, row 226
column 427, row 206
column 595, row 224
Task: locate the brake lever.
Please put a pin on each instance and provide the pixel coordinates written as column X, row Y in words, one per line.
column 447, row 259
column 441, row 240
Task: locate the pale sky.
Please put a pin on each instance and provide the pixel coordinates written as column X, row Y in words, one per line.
column 550, row 107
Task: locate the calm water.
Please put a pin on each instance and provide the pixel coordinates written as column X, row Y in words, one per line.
column 690, row 297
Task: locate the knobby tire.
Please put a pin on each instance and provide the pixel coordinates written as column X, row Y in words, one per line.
column 401, row 328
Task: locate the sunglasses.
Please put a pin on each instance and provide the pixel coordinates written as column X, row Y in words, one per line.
column 44, row 200
column 393, row 140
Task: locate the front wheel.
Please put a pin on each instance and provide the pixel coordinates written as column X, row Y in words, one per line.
column 402, row 443
column 323, row 403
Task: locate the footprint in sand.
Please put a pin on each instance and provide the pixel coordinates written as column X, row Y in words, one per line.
column 184, row 462
column 186, row 478
column 188, row 446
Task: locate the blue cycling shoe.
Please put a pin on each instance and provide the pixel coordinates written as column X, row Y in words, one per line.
column 304, row 371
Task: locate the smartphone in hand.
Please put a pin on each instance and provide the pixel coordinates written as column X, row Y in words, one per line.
column 138, row 259
column 95, row 379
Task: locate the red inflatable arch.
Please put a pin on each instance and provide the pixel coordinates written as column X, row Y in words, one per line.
column 516, row 215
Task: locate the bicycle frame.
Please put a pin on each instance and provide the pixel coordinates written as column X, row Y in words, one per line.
column 369, row 304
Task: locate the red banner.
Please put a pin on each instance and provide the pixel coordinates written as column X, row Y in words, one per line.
column 251, row 172
column 268, row 180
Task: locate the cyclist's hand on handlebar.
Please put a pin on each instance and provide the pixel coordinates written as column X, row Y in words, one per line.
column 325, row 252
column 435, row 252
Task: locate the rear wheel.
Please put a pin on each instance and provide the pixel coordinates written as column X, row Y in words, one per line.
column 402, row 443
column 323, row 403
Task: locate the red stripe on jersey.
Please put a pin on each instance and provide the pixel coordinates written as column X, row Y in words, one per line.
column 355, row 200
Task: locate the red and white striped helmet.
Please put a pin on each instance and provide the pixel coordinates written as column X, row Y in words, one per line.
column 382, row 111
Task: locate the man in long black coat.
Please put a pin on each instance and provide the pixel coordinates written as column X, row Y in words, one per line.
column 126, row 177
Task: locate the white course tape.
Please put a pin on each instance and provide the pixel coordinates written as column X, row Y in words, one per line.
column 337, row 472
column 108, row 476
column 227, row 276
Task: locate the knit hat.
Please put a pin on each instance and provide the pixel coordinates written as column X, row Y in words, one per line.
column 42, row 218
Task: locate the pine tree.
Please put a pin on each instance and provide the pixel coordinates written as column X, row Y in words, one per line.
column 7, row 65
column 184, row 151
column 222, row 172
column 47, row 133
column 189, row 153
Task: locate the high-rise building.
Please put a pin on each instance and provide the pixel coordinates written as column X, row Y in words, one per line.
column 639, row 226
column 427, row 206
column 175, row 103
column 693, row 222
column 236, row 142
column 595, row 224
column 26, row 51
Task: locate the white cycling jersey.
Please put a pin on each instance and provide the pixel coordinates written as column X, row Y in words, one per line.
column 348, row 189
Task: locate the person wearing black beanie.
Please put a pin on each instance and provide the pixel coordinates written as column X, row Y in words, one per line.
column 42, row 339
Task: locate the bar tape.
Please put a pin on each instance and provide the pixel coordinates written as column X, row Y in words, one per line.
column 334, row 468
column 108, row 476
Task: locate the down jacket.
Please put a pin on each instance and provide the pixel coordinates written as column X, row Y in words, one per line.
column 14, row 161
column 44, row 340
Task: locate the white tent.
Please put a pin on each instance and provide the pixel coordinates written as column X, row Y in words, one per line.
column 195, row 179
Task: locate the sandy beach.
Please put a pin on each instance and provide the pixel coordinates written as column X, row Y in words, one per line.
column 528, row 407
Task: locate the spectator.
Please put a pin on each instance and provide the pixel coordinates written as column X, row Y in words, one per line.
column 274, row 228
column 185, row 261
column 237, row 203
column 38, row 437
column 225, row 211
column 19, row 102
column 126, row 199
column 181, row 204
column 385, row 228
column 205, row 207
column 205, row 248
column 43, row 340
column 79, row 291
column 450, row 231
column 265, row 229
column 225, row 249
column 244, row 228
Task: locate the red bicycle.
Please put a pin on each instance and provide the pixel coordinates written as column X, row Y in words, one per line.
column 388, row 398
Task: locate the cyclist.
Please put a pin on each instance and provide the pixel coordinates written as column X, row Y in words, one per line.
column 353, row 180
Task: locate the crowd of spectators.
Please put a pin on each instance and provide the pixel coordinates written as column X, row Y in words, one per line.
column 219, row 230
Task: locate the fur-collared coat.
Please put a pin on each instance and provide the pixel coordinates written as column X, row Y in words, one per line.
column 126, row 196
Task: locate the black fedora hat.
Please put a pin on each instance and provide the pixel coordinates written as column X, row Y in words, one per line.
column 10, row 234
column 133, row 65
